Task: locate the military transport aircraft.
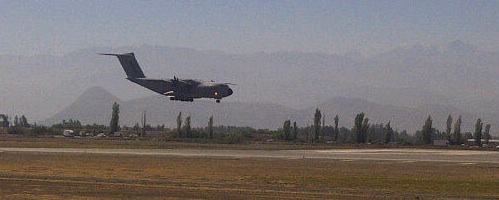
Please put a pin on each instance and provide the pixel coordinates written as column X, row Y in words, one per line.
column 176, row 89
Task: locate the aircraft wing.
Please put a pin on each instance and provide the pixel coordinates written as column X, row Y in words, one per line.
column 182, row 83
column 163, row 86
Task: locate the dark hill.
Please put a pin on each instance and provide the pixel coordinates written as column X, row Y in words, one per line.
column 93, row 106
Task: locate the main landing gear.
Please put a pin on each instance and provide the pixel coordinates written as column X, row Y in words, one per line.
column 176, row 99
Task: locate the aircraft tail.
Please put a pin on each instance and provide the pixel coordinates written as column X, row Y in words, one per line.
column 129, row 64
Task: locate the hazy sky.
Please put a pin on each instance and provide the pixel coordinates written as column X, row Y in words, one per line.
column 58, row 27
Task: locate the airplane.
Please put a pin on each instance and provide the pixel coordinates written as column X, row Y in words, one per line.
column 177, row 89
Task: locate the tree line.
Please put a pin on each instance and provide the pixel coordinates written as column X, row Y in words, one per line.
column 364, row 132
column 361, row 132
column 17, row 126
column 455, row 136
column 18, row 121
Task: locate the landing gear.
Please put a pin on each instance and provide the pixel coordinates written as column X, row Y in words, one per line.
column 180, row 99
column 218, row 101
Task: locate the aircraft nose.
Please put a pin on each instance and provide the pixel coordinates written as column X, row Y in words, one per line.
column 229, row 92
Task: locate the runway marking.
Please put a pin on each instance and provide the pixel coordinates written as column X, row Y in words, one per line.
column 407, row 161
column 395, row 155
column 468, row 163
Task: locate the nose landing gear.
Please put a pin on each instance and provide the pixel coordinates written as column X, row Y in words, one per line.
column 218, row 101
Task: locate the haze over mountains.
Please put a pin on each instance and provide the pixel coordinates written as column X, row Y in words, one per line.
column 94, row 106
column 458, row 76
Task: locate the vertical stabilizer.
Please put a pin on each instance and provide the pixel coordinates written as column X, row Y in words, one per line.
column 129, row 64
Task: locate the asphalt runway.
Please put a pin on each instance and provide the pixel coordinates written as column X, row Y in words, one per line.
column 399, row 155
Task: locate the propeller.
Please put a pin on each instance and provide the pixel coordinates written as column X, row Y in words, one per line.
column 175, row 81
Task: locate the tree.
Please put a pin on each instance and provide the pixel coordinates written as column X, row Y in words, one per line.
column 336, row 130
column 210, row 127
column 5, row 121
column 16, row 121
column 317, row 125
column 113, row 125
column 427, row 130
column 478, row 132
column 486, row 133
column 179, row 125
column 448, row 128
column 144, row 122
column 321, row 136
column 456, row 137
column 361, row 126
column 388, row 133
column 286, row 128
column 136, row 128
column 23, row 122
column 187, row 127
column 295, row 131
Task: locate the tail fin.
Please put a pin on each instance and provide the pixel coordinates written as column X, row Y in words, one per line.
column 129, row 64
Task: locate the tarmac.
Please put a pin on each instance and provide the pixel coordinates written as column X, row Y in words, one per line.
column 398, row 155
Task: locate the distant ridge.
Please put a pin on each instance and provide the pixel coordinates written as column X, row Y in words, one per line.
column 94, row 106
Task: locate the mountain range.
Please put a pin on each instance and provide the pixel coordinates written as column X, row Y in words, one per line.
column 457, row 76
column 94, row 106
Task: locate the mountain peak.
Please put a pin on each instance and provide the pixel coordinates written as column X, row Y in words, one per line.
column 94, row 100
column 97, row 92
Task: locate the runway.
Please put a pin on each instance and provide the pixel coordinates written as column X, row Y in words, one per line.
column 401, row 155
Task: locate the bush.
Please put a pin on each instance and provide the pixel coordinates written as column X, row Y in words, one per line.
column 15, row 130
column 234, row 138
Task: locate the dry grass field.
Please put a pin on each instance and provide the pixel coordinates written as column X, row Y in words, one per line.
column 90, row 176
column 100, row 176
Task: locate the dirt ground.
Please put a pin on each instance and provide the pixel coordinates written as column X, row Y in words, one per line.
column 90, row 176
